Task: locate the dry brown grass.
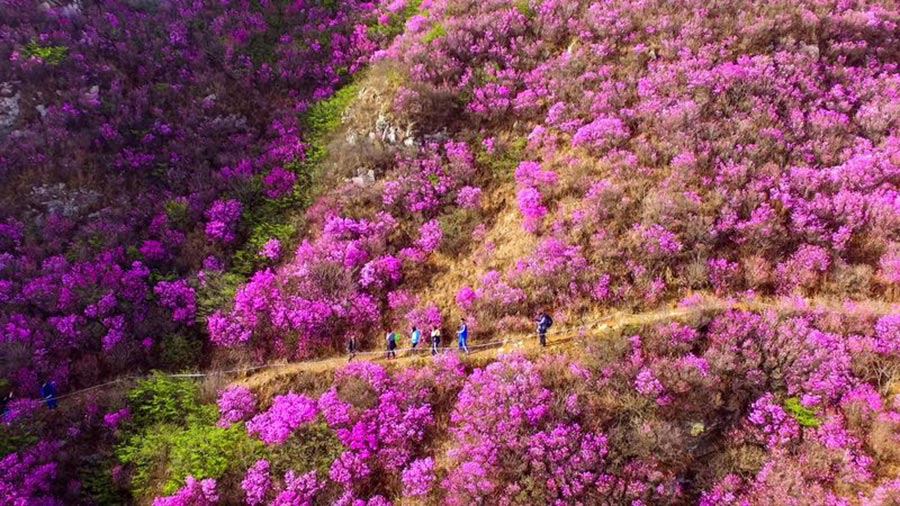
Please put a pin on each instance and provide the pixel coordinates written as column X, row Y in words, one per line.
column 504, row 243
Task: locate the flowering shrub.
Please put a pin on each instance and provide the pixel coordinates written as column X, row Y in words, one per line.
column 26, row 477
column 236, row 403
column 279, row 183
column 418, row 478
column 288, row 413
column 469, row 197
column 222, row 218
column 257, row 483
column 180, row 298
column 114, row 419
column 271, row 249
column 194, row 493
column 430, row 236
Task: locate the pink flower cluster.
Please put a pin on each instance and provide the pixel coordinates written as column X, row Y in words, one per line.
column 180, row 298
column 194, row 493
column 222, row 218
column 236, row 404
column 288, row 413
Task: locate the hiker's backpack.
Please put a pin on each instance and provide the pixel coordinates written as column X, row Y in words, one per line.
column 549, row 320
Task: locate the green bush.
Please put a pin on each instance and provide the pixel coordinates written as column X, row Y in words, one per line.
column 397, row 22
column 162, row 455
column 524, row 8
column 52, row 55
column 436, row 32
column 324, row 117
column 219, row 291
column 805, row 417
column 16, row 437
column 177, row 213
column 97, row 481
column 179, row 352
column 313, row 448
column 503, row 162
column 145, row 453
column 161, row 399
column 457, row 228
column 206, row 451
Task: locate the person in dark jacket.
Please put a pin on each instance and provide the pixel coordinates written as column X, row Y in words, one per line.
column 4, row 405
column 543, row 323
column 435, row 340
column 48, row 392
column 391, row 344
column 351, row 348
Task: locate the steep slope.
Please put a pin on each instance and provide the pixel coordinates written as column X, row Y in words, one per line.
column 704, row 195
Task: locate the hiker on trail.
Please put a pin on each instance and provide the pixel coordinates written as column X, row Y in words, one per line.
column 391, row 344
column 416, row 335
column 544, row 322
column 351, row 348
column 5, row 405
column 463, row 334
column 435, row 340
column 48, row 392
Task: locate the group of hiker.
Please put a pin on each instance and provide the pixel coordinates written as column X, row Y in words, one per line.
column 544, row 322
column 393, row 339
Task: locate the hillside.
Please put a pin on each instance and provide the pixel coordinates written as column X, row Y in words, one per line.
column 705, row 197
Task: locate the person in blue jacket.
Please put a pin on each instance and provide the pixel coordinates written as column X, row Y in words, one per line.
column 463, row 334
column 416, row 335
column 48, row 392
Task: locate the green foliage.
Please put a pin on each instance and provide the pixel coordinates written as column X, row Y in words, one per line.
column 206, row 451
column 161, row 399
column 177, row 212
column 145, row 452
column 457, row 230
column 313, row 448
column 805, row 417
column 324, row 117
column 436, row 32
column 397, row 21
column 179, row 352
column 162, row 455
column 504, row 160
column 525, row 9
column 51, row 55
column 247, row 260
column 14, row 438
column 97, row 481
column 219, row 291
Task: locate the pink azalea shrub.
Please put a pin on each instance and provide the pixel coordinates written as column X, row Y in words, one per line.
column 271, row 249
column 180, row 298
column 487, row 424
column 257, row 483
column 288, row 413
column 418, row 478
column 222, row 218
column 194, row 493
column 236, row 403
